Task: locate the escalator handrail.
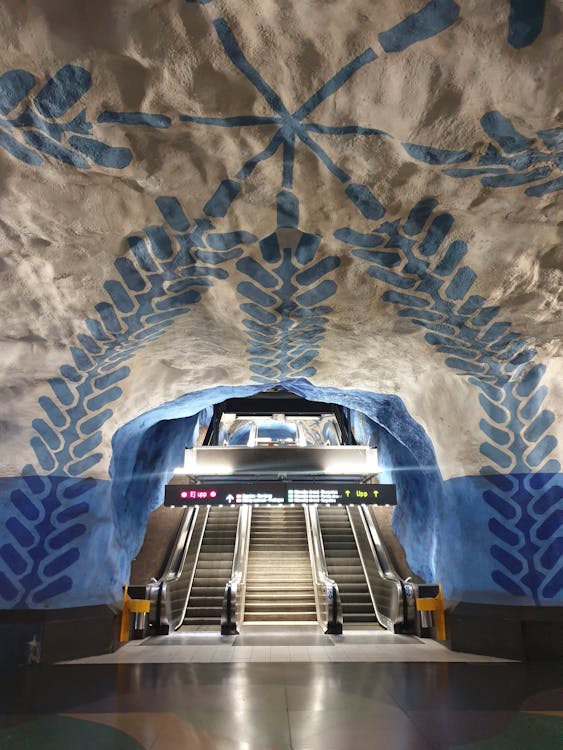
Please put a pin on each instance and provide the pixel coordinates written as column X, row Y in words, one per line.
column 232, row 612
column 327, row 593
column 178, row 556
column 393, row 585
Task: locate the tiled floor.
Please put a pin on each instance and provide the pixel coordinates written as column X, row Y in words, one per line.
column 282, row 696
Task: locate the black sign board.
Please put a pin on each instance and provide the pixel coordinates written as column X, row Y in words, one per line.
column 279, row 493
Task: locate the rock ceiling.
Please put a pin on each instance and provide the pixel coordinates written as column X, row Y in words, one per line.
column 365, row 195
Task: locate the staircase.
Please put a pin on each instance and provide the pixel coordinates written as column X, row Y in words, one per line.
column 279, row 586
column 214, row 567
column 344, row 565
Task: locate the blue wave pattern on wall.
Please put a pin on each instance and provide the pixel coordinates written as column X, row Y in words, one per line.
column 512, row 160
column 43, row 538
column 526, row 501
column 45, row 123
column 286, row 296
column 527, row 524
column 430, row 286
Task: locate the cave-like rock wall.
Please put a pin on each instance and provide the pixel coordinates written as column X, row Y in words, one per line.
column 358, row 200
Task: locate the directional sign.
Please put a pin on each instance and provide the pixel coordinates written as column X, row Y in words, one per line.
column 279, row 493
column 340, row 493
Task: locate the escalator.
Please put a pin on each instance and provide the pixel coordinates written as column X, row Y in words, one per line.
column 223, row 566
column 172, row 590
column 281, row 563
column 369, row 566
column 213, row 568
column 184, row 565
column 279, row 585
column 344, row 565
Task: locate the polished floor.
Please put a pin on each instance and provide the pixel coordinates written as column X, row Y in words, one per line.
column 302, row 702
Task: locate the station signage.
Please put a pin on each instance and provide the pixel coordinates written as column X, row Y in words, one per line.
column 280, row 493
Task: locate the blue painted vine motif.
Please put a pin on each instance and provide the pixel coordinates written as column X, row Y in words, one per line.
column 43, row 538
column 285, row 293
column 167, row 270
column 525, row 22
column 44, row 123
column 526, row 523
column 510, row 160
column 424, row 277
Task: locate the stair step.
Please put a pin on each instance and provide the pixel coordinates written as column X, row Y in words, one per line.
column 203, row 612
column 286, row 606
column 290, row 597
column 281, row 617
column 279, row 585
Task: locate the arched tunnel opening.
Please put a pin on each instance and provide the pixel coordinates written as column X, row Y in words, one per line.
column 147, row 450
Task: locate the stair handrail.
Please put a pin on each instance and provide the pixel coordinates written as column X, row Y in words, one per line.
column 327, row 594
column 232, row 611
column 385, row 587
column 183, row 575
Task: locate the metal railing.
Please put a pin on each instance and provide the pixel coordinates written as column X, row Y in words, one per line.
column 232, row 613
column 327, row 595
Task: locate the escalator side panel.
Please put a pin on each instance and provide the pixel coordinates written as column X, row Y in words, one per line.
column 158, row 545
column 383, row 517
